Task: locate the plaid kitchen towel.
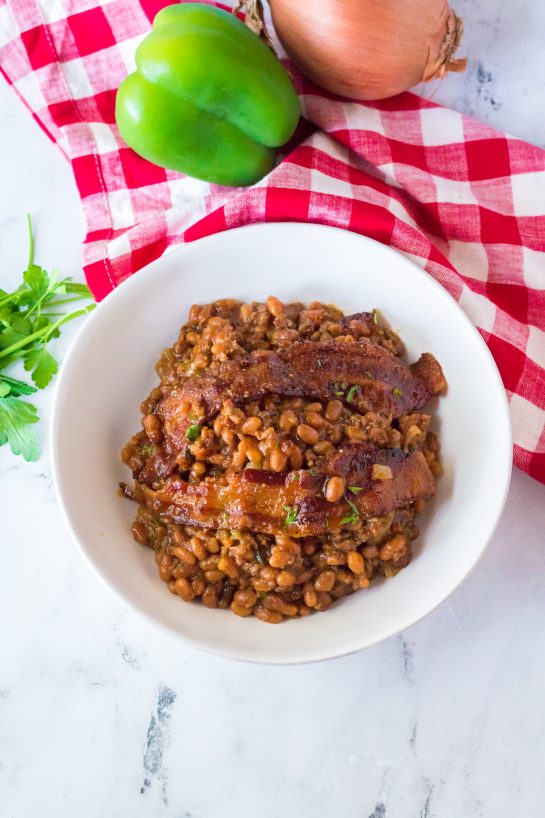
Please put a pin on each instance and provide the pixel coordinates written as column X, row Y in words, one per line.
column 466, row 202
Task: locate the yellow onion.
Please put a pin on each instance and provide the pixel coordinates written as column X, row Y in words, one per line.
column 369, row 49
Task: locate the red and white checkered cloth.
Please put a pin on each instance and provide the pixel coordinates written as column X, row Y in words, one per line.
column 465, row 202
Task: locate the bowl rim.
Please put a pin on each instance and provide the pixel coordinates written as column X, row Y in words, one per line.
column 109, row 304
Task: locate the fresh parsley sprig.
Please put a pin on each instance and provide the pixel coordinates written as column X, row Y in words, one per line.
column 30, row 318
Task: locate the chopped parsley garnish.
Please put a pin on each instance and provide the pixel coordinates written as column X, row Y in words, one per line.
column 295, row 476
column 312, row 472
column 375, row 317
column 148, row 449
column 291, row 515
column 193, row 432
column 354, row 489
column 340, row 389
column 351, row 393
column 397, row 392
column 369, row 374
column 353, row 517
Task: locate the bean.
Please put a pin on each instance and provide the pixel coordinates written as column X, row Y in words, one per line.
column 307, row 434
column 228, row 566
column 262, row 585
column 362, row 581
column 198, row 586
column 278, row 460
column 272, row 617
column 240, row 610
column 288, row 543
column 296, row 458
column 152, row 428
column 334, row 489
column 285, row 579
column 246, row 313
column 213, row 545
column 325, row 581
column 210, row 596
column 310, row 595
column 251, row 425
column 198, row 548
column 355, row 433
column 274, row 602
column 209, row 564
column 198, row 469
column 315, row 420
column 245, row 598
column 393, row 547
column 324, row 601
column 166, row 564
column 355, row 562
column 275, row 307
column 184, row 555
column 213, row 576
column 288, row 419
column 279, row 558
column 184, row 589
column 333, row 410
column 324, row 447
column 239, row 459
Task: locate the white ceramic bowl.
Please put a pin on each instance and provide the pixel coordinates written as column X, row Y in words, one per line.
column 110, row 369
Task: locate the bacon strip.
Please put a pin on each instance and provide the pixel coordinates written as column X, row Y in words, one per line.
column 364, row 376
column 263, row 501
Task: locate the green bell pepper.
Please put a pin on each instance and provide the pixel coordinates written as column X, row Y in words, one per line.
column 208, row 98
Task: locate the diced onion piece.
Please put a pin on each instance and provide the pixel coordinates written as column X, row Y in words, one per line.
column 379, row 472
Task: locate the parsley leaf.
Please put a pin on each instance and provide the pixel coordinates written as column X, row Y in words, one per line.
column 375, row 317
column 193, row 432
column 30, row 317
column 15, row 419
column 42, row 365
column 354, row 489
column 37, row 284
column 291, row 515
column 15, row 387
column 351, row 394
column 397, row 392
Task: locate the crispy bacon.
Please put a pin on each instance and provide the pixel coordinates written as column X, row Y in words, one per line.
column 294, row 502
column 364, row 376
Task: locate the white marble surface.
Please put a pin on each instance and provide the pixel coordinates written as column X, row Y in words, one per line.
column 102, row 717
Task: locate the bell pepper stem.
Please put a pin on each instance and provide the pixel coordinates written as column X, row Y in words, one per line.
column 254, row 18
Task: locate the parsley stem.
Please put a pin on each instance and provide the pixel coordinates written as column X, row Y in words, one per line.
column 9, row 298
column 55, row 303
column 30, row 241
column 45, row 332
